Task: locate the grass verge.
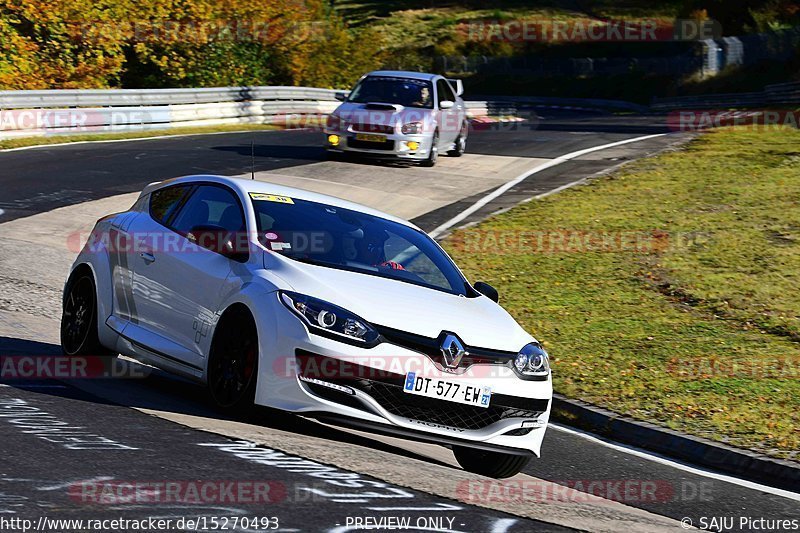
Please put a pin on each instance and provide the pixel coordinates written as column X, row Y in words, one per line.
column 58, row 139
column 668, row 291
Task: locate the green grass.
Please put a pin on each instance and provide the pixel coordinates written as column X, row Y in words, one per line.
column 58, row 139
column 699, row 329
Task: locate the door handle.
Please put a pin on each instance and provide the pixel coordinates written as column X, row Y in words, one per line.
column 147, row 256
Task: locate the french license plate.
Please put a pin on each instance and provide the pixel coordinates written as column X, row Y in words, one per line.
column 369, row 137
column 451, row 391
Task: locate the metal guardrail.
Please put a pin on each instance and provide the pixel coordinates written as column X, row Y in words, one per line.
column 772, row 95
column 36, row 113
column 141, row 97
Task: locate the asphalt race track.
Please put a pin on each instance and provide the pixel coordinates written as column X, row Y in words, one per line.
column 160, row 429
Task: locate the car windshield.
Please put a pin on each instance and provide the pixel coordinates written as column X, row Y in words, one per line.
column 390, row 90
column 344, row 239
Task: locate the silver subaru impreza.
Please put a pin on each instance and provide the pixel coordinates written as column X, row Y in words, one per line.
column 400, row 115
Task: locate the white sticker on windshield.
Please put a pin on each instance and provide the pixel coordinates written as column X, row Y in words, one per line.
column 280, row 245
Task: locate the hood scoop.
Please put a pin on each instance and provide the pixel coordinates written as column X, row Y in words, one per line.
column 380, row 106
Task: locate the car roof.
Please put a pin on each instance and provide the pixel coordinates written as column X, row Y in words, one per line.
column 246, row 186
column 403, row 74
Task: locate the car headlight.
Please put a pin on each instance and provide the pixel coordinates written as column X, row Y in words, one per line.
column 532, row 360
column 330, row 320
column 335, row 122
column 412, row 128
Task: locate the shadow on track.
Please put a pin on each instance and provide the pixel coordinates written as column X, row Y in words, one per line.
column 151, row 388
column 296, row 152
column 305, row 154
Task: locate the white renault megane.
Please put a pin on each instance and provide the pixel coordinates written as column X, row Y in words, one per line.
column 308, row 303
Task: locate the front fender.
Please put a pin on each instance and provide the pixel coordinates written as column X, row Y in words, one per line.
column 259, row 300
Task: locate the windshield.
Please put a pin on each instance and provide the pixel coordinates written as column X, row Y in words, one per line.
column 339, row 238
column 388, row 90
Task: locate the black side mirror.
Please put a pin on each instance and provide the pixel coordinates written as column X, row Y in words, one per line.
column 487, row 290
column 340, row 96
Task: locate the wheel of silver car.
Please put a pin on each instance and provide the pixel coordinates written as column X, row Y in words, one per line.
column 460, row 144
column 79, row 317
column 433, row 155
column 489, row 464
column 233, row 362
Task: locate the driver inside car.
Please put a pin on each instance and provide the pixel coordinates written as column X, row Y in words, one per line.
column 370, row 249
column 423, row 98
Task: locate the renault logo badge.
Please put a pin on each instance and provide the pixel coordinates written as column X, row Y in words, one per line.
column 452, row 350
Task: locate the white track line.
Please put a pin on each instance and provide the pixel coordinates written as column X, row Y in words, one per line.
column 519, row 179
column 656, row 458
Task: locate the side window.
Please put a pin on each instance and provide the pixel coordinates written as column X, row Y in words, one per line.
column 210, row 205
column 163, row 202
column 445, row 93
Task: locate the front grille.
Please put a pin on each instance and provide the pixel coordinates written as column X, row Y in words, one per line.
column 386, row 388
column 369, row 145
column 392, row 398
column 374, row 128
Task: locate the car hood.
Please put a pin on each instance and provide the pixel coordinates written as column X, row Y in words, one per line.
column 479, row 322
column 382, row 113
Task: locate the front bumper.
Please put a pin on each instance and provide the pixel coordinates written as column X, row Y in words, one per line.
column 396, row 145
column 367, row 387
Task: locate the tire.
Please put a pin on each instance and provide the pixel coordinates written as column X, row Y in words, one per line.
column 79, row 317
column 490, row 464
column 233, row 362
column 433, row 156
column 460, row 143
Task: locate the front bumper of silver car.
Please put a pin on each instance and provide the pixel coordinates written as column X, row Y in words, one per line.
column 389, row 146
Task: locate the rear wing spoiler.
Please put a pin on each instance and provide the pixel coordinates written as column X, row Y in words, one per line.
column 457, row 85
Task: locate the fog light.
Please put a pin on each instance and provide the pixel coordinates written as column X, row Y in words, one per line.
column 333, row 139
column 412, row 145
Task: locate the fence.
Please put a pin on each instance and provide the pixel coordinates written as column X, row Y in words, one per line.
column 583, row 66
column 782, row 94
column 705, row 57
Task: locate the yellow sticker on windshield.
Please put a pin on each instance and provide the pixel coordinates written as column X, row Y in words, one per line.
column 271, row 198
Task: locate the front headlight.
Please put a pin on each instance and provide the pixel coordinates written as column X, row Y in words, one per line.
column 336, row 123
column 412, row 128
column 533, row 361
column 330, row 320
